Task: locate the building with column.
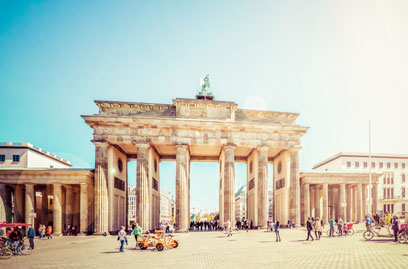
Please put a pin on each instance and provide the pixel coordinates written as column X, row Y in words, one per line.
column 392, row 184
column 166, row 207
column 37, row 187
column 191, row 130
column 131, row 204
column 240, row 203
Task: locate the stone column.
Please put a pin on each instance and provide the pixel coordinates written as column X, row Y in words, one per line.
column 342, row 200
column 325, row 215
column 359, row 202
column 83, row 200
column 4, row 206
column 68, row 206
column 317, row 201
column 142, row 187
column 306, row 193
column 182, row 160
column 29, row 203
column 312, row 202
column 354, row 203
column 294, row 203
column 19, row 204
column 364, row 200
column 44, row 206
column 349, row 202
column 101, row 188
column 57, row 210
column 375, row 198
column 229, row 185
column 262, row 187
column 331, row 199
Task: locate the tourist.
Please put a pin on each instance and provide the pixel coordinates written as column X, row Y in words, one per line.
column 122, row 238
column 387, row 218
column 289, row 224
column 368, row 222
column 9, row 232
column 31, row 235
column 318, row 228
column 137, row 230
column 322, row 224
column 331, row 226
column 276, row 227
column 395, row 228
column 309, row 227
column 49, row 232
column 228, row 228
column 340, row 226
column 40, row 228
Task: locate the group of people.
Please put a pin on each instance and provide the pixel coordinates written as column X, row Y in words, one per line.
column 71, row 230
column 315, row 225
column 384, row 220
column 206, row 225
column 16, row 234
column 45, row 231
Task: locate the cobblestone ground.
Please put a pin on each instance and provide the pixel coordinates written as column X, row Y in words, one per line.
column 255, row 249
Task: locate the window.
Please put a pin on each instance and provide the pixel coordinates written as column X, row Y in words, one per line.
column 388, row 195
column 388, row 180
column 380, row 165
column 2, row 158
column 403, row 178
column 392, row 193
column 372, row 164
column 395, row 165
column 385, row 194
column 403, row 192
column 385, row 180
column 357, row 164
column 392, row 180
column 365, row 164
column 348, row 164
column 388, row 206
column 388, row 165
column 392, row 209
column 16, row 158
column 403, row 165
column 403, row 208
column 385, row 208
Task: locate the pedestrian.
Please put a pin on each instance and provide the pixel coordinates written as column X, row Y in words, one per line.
column 340, row 226
column 228, row 228
column 322, row 224
column 9, row 232
column 396, row 227
column 137, row 231
column 309, row 227
column 122, row 238
column 331, row 226
column 276, row 227
column 49, row 232
column 318, row 228
column 40, row 231
column 31, row 235
column 368, row 222
column 289, row 224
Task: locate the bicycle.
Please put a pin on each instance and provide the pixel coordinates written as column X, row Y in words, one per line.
column 375, row 230
column 18, row 247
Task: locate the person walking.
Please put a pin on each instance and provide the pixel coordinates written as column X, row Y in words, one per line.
column 318, row 228
column 137, row 230
column 49, row 232
column 276, row 228
column 31, row 235
column 40, row 231
column 331, row 226
column 395, row 227
column 309, row 227
column 340, row 226
column 228, row 228
column 122, row 238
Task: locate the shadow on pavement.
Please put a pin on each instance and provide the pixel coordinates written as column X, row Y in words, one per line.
column 379, row 240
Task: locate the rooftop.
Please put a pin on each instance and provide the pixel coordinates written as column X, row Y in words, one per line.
column 31, row 147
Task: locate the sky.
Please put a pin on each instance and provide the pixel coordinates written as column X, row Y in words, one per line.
column 338, row 64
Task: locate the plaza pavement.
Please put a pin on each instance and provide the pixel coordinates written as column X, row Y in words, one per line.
column 255, row 249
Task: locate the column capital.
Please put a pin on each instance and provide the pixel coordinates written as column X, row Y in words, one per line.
column 229, row 146
column 181, row 146
column 262, row 148
column 100, row 143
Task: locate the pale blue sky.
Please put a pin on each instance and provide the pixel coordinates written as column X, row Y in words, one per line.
column 337, row 63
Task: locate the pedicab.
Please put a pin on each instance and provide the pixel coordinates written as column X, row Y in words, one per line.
column 403, row 233
column 375, row 230
column 157, row 241
column 347, row 229
column 7, row 248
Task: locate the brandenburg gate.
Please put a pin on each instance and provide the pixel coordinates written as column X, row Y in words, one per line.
column 191, row 130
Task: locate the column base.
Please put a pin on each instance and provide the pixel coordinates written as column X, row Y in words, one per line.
column 182, row 231
column 101, row 233
column 57, row 235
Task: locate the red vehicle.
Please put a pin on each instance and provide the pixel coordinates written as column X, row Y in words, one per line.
column 348, row 228
column 403, row 233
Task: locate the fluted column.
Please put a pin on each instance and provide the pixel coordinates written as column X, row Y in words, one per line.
column 354, row 204
column 229, row 184
column 375, row 198
column 306, row 193
column 83, row 226
column 29, row 203
column 262, row 187
column 142, row 187
column 101, row 188
column 359, row 202
column 19, row 204
column 4, row 206
column 349, row 202
column 182, row 176
column 364, row 200
column 317, row 201
column 325, row 215
column 68, row 206
column 44, row 206
column 312, row 202
column 57, row 210
column 342, row 200
column 331, row 205
column 294, row 193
